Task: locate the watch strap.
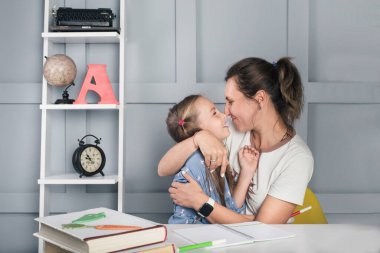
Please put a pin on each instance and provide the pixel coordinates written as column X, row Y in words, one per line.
column 211, row 202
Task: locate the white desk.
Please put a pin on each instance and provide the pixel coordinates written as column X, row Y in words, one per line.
column 309, row 238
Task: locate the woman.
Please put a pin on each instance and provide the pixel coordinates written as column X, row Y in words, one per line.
column 186, row 119
column 263, row 101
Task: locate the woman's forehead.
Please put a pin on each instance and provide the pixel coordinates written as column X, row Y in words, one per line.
column 231, row 90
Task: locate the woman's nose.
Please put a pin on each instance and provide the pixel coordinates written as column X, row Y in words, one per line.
column 226, row 110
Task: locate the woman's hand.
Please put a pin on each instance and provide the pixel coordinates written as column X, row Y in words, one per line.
column 188, row 194
column 213, row 150
column 248, row 160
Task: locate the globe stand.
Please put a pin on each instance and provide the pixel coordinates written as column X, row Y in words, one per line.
column 65, row 97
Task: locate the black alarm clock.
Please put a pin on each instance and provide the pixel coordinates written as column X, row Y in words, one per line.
column 89, row 159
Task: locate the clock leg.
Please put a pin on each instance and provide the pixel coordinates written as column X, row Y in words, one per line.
column 102, row 173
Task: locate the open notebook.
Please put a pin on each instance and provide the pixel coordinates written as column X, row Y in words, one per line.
column 234, row 234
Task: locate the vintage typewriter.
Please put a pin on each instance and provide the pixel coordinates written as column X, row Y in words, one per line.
column 80, row 20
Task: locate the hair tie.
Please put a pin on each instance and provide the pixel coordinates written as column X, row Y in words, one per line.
column 181, row 122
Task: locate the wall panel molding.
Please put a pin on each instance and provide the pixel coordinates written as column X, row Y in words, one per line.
column 20, row 93
column 345, row 203
column 366, row 203
column 156, row 202
column 364, row 93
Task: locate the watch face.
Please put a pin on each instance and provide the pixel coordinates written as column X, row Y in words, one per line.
column 91, row 159
column 205, row 210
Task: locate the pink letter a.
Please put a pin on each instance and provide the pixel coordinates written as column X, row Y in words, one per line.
column 97, row 81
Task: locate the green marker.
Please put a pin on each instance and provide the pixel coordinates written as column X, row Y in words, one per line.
column 89, row 217
column 201, row 245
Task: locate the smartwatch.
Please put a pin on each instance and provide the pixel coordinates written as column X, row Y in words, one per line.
column 207, row 208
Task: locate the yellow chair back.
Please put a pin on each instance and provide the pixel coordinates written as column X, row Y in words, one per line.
column 313, row 216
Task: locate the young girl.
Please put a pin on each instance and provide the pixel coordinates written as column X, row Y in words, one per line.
column 185, row 119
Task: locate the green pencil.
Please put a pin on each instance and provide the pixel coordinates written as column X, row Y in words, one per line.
column 201, row 245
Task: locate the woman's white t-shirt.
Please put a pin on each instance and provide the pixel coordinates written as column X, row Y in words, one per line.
column 283, row 173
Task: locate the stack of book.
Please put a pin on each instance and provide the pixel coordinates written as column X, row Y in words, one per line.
column 99, row 230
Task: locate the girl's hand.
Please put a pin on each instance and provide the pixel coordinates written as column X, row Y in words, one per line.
column 188, row 194
column 248, row 160
column 212, row 149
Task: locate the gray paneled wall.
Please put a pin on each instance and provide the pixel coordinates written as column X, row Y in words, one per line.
column 343, row 108
column 238, row 31
column 20, row 117
column 178, row 47
column 350, row 158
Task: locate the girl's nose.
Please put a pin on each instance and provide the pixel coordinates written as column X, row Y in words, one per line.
column 223, row 116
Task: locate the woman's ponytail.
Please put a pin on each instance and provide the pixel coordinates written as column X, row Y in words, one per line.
column 291, row 90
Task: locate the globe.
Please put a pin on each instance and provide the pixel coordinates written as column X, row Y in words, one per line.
column 60, row 70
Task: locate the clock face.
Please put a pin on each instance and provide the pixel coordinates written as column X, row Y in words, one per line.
column 91, row 159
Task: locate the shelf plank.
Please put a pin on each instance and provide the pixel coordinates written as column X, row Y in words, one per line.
column 80, row 107
column 82, row 37
column 73, row 178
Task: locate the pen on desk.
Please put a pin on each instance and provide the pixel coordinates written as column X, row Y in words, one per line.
column 201, row 245
column 300, row 211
